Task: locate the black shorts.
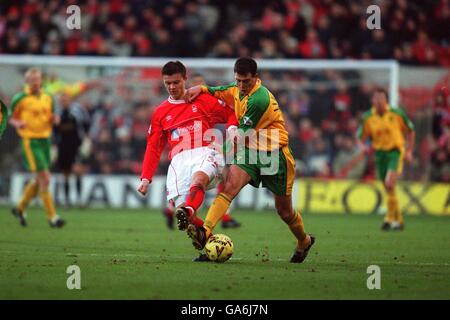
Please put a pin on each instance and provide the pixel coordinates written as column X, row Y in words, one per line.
column 66, row 158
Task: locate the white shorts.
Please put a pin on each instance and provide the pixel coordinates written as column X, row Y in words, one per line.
column 185, row 164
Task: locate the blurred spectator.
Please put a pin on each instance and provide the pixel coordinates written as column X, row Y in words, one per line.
column 440, row 164
column 312, row 48
column 441, row 114
column 318, row 160
column 413, row 34
column 378, row 47
column 348, row 150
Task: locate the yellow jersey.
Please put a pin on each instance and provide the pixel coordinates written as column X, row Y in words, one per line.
column 259, row 110
column 387, row 130
column 36, row 111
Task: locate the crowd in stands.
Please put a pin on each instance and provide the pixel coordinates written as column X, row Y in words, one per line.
column 413, row 32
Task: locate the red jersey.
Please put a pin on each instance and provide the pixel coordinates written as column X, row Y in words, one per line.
column 183, row 126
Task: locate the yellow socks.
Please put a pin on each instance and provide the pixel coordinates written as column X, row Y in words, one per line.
column 29, row 193
column 47, row 200
column 217, row 210
column 393, row 214
column 297, row 228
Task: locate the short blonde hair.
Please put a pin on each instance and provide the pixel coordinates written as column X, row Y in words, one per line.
column 31, row 71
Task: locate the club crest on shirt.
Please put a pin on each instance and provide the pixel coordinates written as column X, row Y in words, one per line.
column 247, row 121
column 175, row 134
column 194, row 108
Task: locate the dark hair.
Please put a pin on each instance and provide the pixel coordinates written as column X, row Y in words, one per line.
column 382, row 90
column 245, row 65
column 173, row 67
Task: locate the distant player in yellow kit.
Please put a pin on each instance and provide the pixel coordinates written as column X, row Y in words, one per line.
column 32, row 114
column 386, row 127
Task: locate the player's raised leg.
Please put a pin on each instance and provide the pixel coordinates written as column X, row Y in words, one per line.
column 187, row 213
column 236, row 179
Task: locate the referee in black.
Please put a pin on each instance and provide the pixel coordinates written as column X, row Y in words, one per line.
column 69, row 136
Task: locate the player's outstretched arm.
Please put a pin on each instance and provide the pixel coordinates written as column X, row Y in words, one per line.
column 156, row 140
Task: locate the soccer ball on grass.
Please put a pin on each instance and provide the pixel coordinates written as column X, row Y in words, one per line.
column 219, row 248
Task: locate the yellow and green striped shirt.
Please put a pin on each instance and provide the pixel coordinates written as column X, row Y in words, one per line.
column 386, row 130
column 259, row 110
column 36, row 111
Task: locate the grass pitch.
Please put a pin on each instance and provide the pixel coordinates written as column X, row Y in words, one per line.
column 130, row 254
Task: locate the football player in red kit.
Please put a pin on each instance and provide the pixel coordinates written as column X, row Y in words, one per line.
column 169, row 211
column 188, row 128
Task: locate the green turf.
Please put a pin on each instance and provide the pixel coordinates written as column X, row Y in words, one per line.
column 130, row 254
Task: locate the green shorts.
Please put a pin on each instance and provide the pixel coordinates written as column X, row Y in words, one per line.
column 388, row 161
column 36, row 154
column 276, row 169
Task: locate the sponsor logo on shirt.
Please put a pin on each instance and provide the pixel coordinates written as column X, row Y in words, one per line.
column 196, row 126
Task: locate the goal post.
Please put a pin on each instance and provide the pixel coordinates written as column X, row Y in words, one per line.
column 391, row 67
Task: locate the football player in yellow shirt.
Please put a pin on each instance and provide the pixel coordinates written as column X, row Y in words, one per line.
column 386, row 127
column 260, row 120
column 32, row 114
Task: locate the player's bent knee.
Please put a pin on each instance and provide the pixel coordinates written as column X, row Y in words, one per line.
column 201, row 185
column 284, row 211
column 43, row 179
column 286, row 216
column 230, row 190
column 389, row 185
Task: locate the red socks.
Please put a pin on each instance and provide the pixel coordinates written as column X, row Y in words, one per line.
column 168, row 212
column 195, row 197
column 226, row 217
column 193, row 201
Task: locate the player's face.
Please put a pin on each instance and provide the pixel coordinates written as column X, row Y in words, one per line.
column 34, row 81
column 379, row 101
column 245, row 83
column 175, row 85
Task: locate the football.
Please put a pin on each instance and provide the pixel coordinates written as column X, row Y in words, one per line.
column 219, row 248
